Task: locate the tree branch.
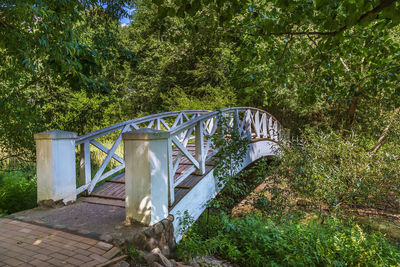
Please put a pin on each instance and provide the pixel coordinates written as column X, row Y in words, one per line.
column 378, row 8
column 384, row 134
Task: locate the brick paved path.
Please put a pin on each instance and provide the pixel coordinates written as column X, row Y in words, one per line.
column 23, row 244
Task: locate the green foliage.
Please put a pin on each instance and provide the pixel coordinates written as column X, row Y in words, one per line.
column 256, row 241
column 136, row 255
column 17, row 190
column 231, row 150
column 49, row 51
column 336, row 170
column 231, row 147
column 303, row 14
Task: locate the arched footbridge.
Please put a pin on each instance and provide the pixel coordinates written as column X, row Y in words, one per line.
column 154, row 166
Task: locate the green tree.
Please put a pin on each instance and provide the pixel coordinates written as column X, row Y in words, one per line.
column 47, row 56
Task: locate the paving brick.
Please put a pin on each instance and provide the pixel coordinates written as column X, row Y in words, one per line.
column 96, row 250
column 43, row 251
column 29, row 253
column 39, row 263
column 51, row 248
column 15, row 248
column 4, row 255
column 13, row 262
column 83, row 258
column 76, row 238
column 59, row 256
column 104, row 246
column 91, row 263
column 88, row 241
column 98, row 258
column 74, row 261
column 25, row 230
column 83, row 251
column 67, row 252
column 23, row 244
column 111, row 253
column 42, row 257
column 12, row 254
column 24, row 258
column 82, row 245
column 57, row 262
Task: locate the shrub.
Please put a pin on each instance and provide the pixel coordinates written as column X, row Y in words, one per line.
column 338, row 171
column 17, row 191
column 256, row 241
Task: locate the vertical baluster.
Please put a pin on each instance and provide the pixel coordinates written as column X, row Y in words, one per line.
column 264, row 126
column 171, row 182
column 248, row 124
column 158, row 124
column 85, row 168
column 199, row 131
column 257, row 125
column 237, row 121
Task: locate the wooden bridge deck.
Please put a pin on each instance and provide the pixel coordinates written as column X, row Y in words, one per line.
column 112, row 192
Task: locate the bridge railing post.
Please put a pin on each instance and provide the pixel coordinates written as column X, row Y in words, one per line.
column 55, row 159
column 147, row 153
column 199, row 142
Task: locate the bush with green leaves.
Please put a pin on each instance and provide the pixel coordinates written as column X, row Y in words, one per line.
column 258, row 241
column 339, row 171
column 231, row 149
column 18, row 191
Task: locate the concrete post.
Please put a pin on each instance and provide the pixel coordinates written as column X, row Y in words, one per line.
column 55, row 159
column 146, row 175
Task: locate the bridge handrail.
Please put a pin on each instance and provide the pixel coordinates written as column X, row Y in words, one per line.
column 211, row 114
column 254, row 123
column 188, row 125
column 93, row 135
column 85, row 142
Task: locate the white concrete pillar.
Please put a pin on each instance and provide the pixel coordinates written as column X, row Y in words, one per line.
column 55, row 159
column 147, row 153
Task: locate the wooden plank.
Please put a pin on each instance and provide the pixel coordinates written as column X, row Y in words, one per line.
column 183, row 187
column 104, row 201
column 109, row 197
column 116, row 181
column 182, row 168
column 120, row 179
column 179, row 194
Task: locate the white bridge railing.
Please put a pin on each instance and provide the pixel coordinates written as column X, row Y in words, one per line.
column 251, row 123
column 162, row 121
column 185, row 127
column 184, row 150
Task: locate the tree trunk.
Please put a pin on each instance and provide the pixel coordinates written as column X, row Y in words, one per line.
column 352, row 111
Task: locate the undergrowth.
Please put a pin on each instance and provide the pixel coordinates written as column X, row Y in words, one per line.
column 18, row 190
column 282, row 241
column 327, row 170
